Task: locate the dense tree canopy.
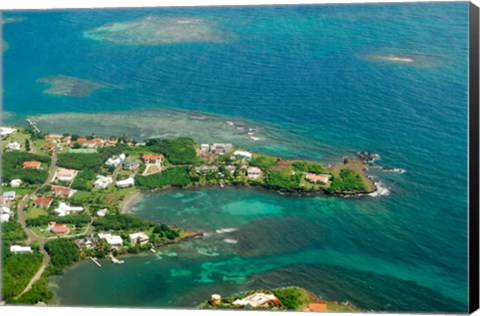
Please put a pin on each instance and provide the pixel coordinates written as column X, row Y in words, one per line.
column 178, row 151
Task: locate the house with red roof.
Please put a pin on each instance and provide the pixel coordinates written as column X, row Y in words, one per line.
column 32, row 164
column 62, row 192
column 43, row 202
column 59, row 229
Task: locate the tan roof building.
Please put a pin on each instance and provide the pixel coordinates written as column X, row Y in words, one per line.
column 32, row 164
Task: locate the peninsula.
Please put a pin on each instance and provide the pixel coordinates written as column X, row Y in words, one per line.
column 63, row 195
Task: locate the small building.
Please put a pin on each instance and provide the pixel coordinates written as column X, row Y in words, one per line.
column 9, row 195
column 112, row 240
column 5, row 210
column 20, row 249
column 216, row 299
column 206, row 169
column 14, row 146
column 5, row 131
column 43, row 202
column 125, row 183
column 49, row 147
column 102, row 212
column 102, row 182
column 258, row 300
column 254, row 173
column 62, row 192
column 115, row 161
column 243, row 154
column 230, row 168
column 317, row 178
column 152, row 159
column 205, row 147
column 90, row 143
column 65, row 139
column 4, row 218
column 88, row 242
column 221, row 149
column 59, row 229
column 131, row 165
column 15, row 183
column 65, row 175
column 32, row 164
column 140, row 238
column 64, row 209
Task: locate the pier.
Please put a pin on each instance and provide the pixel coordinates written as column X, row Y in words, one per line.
column 94, row 260
column 33, row 125
column 115, row 260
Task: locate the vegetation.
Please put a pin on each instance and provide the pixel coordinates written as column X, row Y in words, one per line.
column 176, row 176
column 81, row 161
column 293, row 297
column 283, row 181
column 347, row 181
column 63, row 253
column 12, row 232
column 178, row 151
column 13, row 169
column 17, row 271
column 305, row 166
column 81, row 181
column 263, row 161
column 38, row 293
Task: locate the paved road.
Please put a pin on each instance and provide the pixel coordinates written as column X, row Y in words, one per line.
column 30, row 234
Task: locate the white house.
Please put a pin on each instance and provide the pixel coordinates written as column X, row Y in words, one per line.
column 4, row 218
column 204, row 147
column 67, row 175
column 139, row 237
column 243, row 154
column 221, row 149
column 102, row 212
column 102, row 182
column 64, row 209
column 13, row 146
column 5, row 210
column 257, row 300
column 112, row 240
column 5, row 131
column 125, row 183
column 20, row 249
column 115, row 161
column 15, row 183
column 9, row 195
column 254, row 173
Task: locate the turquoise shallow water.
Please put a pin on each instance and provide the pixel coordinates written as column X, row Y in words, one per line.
column 316, row 82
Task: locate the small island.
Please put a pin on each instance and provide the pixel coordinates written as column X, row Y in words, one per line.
column 65, row 196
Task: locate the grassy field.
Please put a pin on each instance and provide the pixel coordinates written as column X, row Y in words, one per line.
column 36, row 212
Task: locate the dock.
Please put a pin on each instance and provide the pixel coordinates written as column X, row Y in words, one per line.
column 94, row 260
column 33, row 125
column 116, row 261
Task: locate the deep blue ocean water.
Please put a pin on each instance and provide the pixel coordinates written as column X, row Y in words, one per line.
column 328, row 79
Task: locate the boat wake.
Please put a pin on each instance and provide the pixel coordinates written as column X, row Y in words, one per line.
column 230, row 241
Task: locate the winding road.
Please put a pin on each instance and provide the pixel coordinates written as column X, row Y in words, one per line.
column 30, row 234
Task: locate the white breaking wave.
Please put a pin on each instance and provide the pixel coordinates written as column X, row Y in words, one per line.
column 226, row 230
column 230, row 241
column 381, row 190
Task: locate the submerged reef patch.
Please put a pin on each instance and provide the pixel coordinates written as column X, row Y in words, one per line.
column 72, row 86
column 155, row 30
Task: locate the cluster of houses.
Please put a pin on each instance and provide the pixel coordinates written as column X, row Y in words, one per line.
column 116, row 241
column 255, row 300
